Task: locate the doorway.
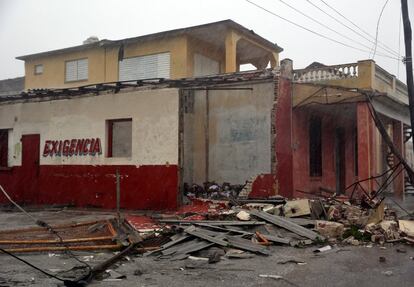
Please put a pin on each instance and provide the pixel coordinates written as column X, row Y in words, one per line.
column 340, row 160
column 30, row 168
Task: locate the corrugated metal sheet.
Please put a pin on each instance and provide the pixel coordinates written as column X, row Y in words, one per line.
column 145, row 67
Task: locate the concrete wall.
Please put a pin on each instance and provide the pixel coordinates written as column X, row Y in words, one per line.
column 154, row 116
column 235, row 126
column 149, row 178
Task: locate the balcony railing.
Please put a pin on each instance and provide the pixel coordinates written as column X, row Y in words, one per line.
column 327, row 73
column 347, row 75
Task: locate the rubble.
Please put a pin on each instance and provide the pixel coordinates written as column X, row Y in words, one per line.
column 329, row 229
column 207, row 230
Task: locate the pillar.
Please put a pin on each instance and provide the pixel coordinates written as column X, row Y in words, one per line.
column 363, row 119
column 366, row 74
column 398, row 140
column 274, row 60
column 231, row 51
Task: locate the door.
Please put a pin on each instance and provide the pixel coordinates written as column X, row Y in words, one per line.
column 340, row 160
column 30, row 168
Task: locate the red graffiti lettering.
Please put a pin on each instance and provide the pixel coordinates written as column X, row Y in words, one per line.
column 46, row 150
column 85, row 146
column 72, row 147
column 97, row 146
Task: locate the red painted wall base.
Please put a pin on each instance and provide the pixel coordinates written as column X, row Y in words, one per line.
column 153, row 187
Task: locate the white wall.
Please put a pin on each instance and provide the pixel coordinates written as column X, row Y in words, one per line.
column 154, row 116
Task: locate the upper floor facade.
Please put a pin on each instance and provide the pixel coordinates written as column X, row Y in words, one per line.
column 364, row 75
column 219, row 47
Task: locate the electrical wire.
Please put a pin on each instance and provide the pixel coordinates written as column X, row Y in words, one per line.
column 377, row 29
column 51, row 230
column 314, row 32
column 399, row 44
column 324, row 25
column 350, row 28
column 33, row 266
column 358, row 27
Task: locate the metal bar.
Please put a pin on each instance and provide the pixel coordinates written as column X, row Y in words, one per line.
column 286, row 224
column 213, row 222
column 64, row 248
column 45, row 241
column 118, row 197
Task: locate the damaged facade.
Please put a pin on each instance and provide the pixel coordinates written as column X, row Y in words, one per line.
column 335, row 140
column 91, row 110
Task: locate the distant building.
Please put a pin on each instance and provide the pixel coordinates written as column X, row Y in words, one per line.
column 10, row 87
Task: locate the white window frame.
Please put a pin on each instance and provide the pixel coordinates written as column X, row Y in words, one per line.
column 38, row 69
column 79, row 74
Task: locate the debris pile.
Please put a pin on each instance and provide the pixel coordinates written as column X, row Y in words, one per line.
column 240, row 228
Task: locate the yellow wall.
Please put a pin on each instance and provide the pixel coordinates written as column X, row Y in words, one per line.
column 103, row 61
column 54, row 69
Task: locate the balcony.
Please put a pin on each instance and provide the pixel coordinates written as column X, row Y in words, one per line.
column 362, row 75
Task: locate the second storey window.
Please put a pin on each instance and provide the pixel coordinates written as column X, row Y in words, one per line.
column 145, row 67
column 76, row 70
column 38, row 69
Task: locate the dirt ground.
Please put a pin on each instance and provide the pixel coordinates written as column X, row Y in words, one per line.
column 342, row 266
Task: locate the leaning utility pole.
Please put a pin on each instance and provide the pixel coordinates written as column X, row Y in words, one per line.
column 408, row 61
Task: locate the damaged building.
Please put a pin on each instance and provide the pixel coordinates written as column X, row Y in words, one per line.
column 172, row 110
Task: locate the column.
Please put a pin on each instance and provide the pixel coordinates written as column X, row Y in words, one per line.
column 398, row 139
column 231, row 51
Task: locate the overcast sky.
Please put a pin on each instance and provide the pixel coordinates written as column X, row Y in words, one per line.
column 29, row 26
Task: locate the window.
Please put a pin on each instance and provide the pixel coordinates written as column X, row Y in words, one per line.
column 204, row 66
column 145, row 67
column 315, row 147
column 76, row 70
column 119, row 138
column 4, row 147
column 38, row 69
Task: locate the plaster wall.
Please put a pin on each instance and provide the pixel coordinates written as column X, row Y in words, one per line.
column 232, row 127
column 154, row 115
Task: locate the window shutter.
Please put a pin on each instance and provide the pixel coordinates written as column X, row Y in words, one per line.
column 145, row 67
column 71, row 71
column 82, row 69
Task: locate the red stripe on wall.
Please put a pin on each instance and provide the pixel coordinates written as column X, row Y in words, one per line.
column 151, row 187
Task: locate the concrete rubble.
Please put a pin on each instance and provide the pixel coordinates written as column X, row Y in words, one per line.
column 207, row 230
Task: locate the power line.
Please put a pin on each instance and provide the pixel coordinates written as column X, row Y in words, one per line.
column 316, row 33
column 356, row 25
column 376, row 32
column 399, row 44
column 350, row 28
column 324, row 25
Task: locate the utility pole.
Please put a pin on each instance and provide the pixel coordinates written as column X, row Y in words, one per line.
column 408, row 61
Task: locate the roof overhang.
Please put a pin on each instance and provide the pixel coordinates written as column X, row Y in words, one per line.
column 211, row 33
